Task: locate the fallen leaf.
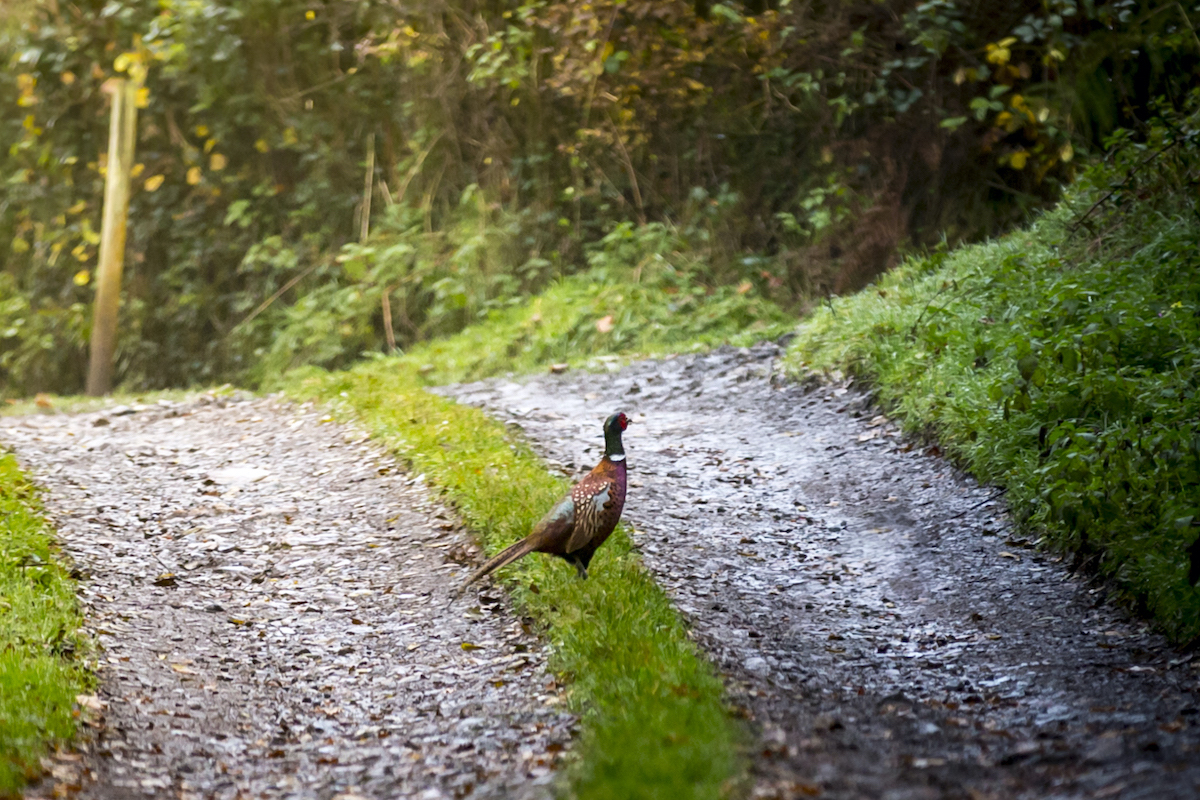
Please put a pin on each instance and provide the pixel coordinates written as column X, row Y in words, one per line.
column 605, row 324
column 43, row 401
column 89, row 701
column 470, row 646
column 1006, row 554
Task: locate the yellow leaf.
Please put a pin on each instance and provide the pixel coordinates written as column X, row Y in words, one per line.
column 78, row 207
column 137, row 170
column 262, row 146
column 1066, row 152
column 289, row 136
column 217, row 162
column 123, row 61
column 310, row 15
column 193, row 176
column 141, row 98
column 1018, row 159
column 209, row 145
column 80, row 252
column 82, row 277
column 202, row 130
column 19, row 245
column 67, row 77
column 153, row 182
column 88, row 233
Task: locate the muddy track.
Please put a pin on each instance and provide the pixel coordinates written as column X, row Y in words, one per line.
column 271, row 595
column 873, row 612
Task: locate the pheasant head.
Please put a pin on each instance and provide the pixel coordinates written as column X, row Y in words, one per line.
column 614, row 426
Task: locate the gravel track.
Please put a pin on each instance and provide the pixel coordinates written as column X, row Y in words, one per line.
column 271, row 594
column 872, row 611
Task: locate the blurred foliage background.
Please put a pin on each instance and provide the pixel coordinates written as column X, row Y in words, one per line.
column 788, row 149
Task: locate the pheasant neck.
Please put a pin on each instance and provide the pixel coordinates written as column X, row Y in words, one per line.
column 613, row 449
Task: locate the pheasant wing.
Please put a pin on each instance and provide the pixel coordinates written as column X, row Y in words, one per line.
column 556, row 525
column 592, row 497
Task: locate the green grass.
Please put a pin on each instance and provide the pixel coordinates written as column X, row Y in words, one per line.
column 40, row 670
column 653, row 723
column 1063, row 362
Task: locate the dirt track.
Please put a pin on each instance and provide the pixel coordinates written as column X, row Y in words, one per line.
column 870, row 607
column 272, row 595
column 272, row 598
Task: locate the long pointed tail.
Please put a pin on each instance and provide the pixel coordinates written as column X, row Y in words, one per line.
column 501, row 559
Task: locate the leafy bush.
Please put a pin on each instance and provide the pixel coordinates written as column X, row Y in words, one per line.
column 1063, row 362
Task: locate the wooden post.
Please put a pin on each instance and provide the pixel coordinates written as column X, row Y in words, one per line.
column 368, row 182
column 122, row 133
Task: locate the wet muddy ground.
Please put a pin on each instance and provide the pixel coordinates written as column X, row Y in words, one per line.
column 887, row 632
column 272, row 599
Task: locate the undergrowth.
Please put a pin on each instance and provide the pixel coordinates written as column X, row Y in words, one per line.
column 653, row 725
column 1063, row 362
column 40, row 670
column 644, row 291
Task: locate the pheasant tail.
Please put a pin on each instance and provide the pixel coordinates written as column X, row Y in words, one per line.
column 503, row 558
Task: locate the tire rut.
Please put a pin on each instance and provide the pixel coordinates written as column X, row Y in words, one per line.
column 873, row 611
column 271, row 597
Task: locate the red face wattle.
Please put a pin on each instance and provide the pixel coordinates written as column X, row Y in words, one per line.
column 623, row 421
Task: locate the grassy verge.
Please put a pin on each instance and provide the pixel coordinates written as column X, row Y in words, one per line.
column 1062, row 361
column 653, row 721
column 39, row 674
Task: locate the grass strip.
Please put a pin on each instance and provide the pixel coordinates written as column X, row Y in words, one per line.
column 653, row 723
column 40, row 675
column 1064, row 364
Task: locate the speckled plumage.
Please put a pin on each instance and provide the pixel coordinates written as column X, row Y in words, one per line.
column 579, row 523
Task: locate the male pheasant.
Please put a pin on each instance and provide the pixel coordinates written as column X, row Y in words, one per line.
column 581, row 521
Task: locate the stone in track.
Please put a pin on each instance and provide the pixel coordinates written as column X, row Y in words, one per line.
column 272, row 599
column 872, row 610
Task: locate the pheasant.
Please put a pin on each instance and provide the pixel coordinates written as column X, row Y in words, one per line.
column 580, row 522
